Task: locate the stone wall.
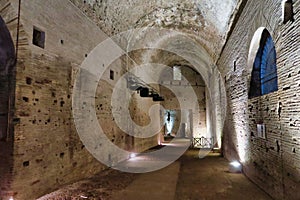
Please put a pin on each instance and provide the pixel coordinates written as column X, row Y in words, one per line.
column 8, row 37
column 47, row 151
column 272, row 163
column 200, row 19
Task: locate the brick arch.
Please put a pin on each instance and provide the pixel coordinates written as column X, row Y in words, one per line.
column 196, row 55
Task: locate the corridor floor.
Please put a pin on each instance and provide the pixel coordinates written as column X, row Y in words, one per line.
column 189, row 178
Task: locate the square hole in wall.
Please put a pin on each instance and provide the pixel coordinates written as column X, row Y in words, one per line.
column 26, row 163
column 111, row 74
column 38, row 37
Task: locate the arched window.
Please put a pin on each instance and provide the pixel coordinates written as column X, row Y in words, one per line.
column 264, row 72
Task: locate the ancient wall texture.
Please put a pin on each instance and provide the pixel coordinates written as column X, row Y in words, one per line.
column 197, row 18
column 9, row 16
column 46, row 149
column 272, row 163
column 47, row 152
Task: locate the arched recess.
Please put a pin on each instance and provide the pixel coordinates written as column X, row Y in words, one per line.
column 262, row 62
column 188, row 48
column 7, row 68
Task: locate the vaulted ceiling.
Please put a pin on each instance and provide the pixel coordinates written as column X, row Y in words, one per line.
column 207, row 21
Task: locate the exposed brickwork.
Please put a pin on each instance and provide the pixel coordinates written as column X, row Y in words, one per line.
column 7, row 68
column 273, row 163
column 47, row 150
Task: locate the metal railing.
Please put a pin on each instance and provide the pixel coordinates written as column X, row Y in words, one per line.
column 202, row 142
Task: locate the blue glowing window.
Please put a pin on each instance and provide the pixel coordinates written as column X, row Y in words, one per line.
column 264, row 73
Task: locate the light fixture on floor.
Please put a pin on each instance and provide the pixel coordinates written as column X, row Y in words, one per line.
column 11, row 198
column 132, row 155
column 235, row 167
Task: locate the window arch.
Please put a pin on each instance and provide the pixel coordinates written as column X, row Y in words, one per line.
column 264, row 72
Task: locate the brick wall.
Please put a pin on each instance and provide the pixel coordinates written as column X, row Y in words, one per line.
column 272, row 163
column 47, row 151
column 7, row 68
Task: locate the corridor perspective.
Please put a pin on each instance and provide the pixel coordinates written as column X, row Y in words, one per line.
column 158, row 99
column 187, row 178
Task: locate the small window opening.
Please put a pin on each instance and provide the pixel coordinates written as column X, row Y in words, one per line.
column 287, row 11
column 112, row 75
column 38, row 38
column 234, row 66
column 176, row 73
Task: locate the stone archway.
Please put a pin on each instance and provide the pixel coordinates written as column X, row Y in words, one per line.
column 182, row 45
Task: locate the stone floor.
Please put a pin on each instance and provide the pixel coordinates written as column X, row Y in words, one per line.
column 189, row 178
